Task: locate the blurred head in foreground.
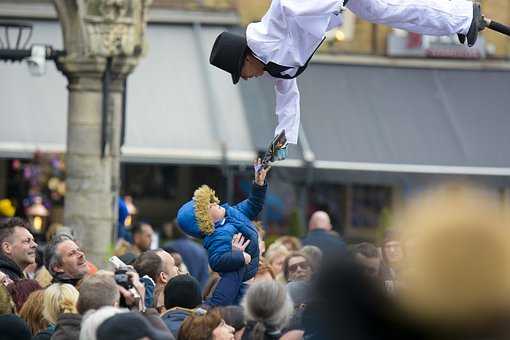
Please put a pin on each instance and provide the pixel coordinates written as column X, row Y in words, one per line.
column 454, row 280
column 456, row 272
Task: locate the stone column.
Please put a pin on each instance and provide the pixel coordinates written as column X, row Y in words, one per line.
column 96, row 34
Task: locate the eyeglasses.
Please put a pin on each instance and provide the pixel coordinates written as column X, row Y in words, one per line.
column 303, row 265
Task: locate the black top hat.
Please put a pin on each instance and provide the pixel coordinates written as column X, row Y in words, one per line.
column 228, row 53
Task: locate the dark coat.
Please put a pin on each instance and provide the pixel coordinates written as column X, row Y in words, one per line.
column 174, row 318
column 330, row 244
column 10, row 268
column 68, row 327
column 13, row 327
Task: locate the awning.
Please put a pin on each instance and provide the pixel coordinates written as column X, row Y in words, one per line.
column 362, row 120
column 179, row 109
column 405, row 120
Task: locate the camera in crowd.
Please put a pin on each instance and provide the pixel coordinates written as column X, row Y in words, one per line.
column 122, row 278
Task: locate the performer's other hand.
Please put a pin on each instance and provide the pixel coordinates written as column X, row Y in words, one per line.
column 260, row 172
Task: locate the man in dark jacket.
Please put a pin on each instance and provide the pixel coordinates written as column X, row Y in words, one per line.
column 182, row 295
column 17, row 248
column 320, row 235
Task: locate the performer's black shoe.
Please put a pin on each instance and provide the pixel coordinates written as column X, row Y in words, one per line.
column 477, row 24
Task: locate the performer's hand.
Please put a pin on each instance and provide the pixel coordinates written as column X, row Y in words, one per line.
column 260, row 172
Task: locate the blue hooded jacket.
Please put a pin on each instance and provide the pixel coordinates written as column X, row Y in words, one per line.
column 238, row 219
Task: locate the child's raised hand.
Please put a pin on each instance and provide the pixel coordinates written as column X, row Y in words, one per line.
column 260, row 172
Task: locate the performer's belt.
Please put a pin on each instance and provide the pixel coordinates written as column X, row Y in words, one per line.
column 277, row 70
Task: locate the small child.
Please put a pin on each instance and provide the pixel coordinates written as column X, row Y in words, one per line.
column 233, row 258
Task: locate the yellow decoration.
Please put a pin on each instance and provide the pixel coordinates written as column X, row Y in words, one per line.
column 6, row 208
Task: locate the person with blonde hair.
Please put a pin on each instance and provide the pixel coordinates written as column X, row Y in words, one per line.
column 32, row 312
column 275, row 255
column 59, row 303
column 292, row 243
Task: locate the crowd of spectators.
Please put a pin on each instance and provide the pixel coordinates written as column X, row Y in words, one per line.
column 443, row 272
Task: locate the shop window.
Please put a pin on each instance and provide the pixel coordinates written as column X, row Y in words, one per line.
column 367, row 203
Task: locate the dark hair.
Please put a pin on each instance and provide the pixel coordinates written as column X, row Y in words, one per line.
column 285, row 267
column 233, row 316
column 7, row 228
column 149, row 263
column 366, row 249
column 138, row 227
column 20, row 290
column 182, row 291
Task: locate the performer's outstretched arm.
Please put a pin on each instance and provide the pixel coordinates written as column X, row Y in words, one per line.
column 287, row 108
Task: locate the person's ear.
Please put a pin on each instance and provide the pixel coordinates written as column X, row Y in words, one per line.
column 163, row 277
column 6, row 247
column 58, row 268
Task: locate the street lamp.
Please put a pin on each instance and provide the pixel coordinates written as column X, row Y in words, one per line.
column 38, row 215
column 13, row 47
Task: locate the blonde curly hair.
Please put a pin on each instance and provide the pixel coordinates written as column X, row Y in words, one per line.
column 203, row 198
column 59, row 298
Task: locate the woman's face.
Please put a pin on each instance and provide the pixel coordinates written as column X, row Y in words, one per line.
column 299, row 269
column 223, row 332
column 277, row 264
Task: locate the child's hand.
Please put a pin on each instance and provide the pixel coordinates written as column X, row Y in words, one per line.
column 260, row 172
column 238, row 243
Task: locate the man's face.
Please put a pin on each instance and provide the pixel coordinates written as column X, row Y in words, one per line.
column 20, row 247
column 393, row 251
column 143, row 239
column 299, row 269
column 169, row 268
column 252, row 67
column 216, row 212
column 371, row 265
column 73, row 262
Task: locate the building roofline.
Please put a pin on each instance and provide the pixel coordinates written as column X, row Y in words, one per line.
column 423, row 63
column 46, row 11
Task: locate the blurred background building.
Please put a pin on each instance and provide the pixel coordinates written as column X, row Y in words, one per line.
column 383, row 113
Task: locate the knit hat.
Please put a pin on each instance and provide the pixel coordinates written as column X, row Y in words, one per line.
column 129, row 326
column 183, row 291
column 193, row 217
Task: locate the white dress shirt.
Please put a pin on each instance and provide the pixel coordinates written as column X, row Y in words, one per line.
column 291, row 31
column 287, row 35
